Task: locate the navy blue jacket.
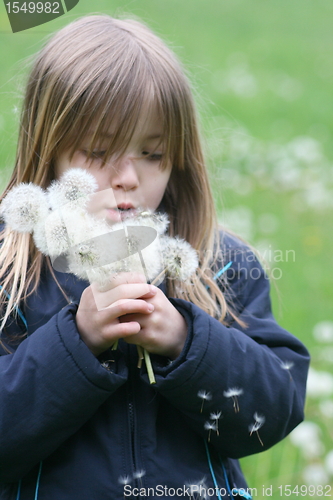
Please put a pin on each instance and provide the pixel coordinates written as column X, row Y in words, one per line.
column 73, row 426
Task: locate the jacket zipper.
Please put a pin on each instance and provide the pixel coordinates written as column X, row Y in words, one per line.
column 131, row 410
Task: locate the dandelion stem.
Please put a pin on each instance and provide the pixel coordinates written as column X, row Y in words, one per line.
column 260, row 441
column 140, row 354
column 115, row 346
column 149, row 367
column 155, row 280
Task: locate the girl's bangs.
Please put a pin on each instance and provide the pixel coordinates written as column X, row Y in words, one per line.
column 102, row 112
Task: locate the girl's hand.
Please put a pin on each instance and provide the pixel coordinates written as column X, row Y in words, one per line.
column 102, row 324
column 163, row 332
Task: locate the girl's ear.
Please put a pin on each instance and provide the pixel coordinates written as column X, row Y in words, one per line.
column 24, row 207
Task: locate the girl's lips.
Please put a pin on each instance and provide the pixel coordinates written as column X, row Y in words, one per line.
column 115, row 215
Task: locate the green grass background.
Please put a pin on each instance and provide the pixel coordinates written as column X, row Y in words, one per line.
column 263, row 74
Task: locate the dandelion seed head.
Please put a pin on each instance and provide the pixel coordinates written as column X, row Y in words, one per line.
column 39, row 237
column 233, row 392
column 180, row 259
column 202, row 394
column 56, row 235
column 159, row 221
column 75, row 186
column 24, row 206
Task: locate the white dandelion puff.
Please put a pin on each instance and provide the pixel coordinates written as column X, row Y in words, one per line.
column 210, row 426
column 24, row 206
column 157, row 220
column 39, row 237
column 75, row 186
column 259, row 421
column 56, row 235
column 216, row 417
column 180, row 259
column 233, row 393
column 205, row 396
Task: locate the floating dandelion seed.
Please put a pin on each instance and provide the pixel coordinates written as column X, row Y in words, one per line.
column 198, row 490
column 205, row 396
column 216, row 416
column 24, row 206
column 210, row 426
column 180, row 258
column 75, row 186
column 233, row 393
column 287, row 365
column 259, row 421
column 124, row 480
column 139, row 474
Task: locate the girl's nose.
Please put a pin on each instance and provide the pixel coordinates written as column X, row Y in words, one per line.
column 124, row 175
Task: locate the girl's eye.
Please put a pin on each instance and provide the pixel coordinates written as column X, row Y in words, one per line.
column 98, row 154
column 152, row 156
column 94, row 154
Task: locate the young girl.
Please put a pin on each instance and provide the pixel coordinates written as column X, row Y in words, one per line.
column 79, row 420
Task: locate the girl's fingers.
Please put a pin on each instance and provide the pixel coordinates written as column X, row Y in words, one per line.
column 126, row 329
column 126, row 291
column 128, row 306
column 126, row 278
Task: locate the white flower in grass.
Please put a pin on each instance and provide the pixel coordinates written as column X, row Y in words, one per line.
column 326, row 408
column 329, row 462
column 180, row 259
column 205, row 396
column 323, row 331
column 24, row 206
column 319, row 383
column 315, row 474
column 259, row 421
column 307, row 437
column 75, row 186
column 233, row 393
column 210, row 426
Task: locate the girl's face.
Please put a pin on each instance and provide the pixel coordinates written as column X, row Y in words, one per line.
column 135, row 180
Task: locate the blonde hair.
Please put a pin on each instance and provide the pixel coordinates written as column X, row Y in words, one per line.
column 107, row 70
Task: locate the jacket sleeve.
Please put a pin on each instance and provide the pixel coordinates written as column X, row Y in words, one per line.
column 254, row 375
column 49, row 387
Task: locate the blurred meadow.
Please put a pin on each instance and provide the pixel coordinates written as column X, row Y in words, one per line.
column 263, row 73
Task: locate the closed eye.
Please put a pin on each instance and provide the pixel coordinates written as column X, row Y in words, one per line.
column 99, row 154
column 152, row 156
